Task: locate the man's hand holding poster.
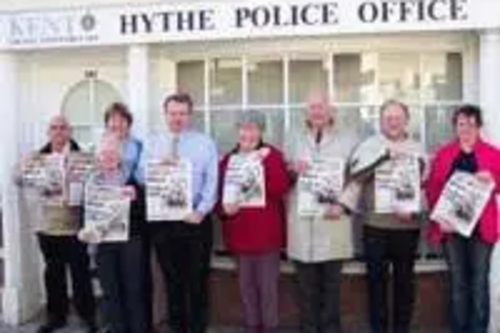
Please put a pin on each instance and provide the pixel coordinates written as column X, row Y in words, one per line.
column 169, row 194
column 320, row 186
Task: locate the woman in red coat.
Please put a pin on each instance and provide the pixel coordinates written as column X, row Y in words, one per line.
column 253, row 219
column 468, row 257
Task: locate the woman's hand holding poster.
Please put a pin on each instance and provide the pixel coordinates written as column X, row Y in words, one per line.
column 462, row 202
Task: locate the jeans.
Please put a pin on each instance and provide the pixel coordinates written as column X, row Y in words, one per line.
column 61, row 253
column 124, row 272
column 319, row 296
column 469, row 265
column 183, row 251
column 384, row 248
column 258, row 280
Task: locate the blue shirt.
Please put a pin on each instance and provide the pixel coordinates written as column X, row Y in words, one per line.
column 131, row 154
column 197, row 148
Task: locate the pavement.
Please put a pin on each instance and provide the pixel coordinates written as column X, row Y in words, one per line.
column 75, row 328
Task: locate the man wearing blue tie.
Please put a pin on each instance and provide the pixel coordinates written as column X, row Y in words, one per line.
column 183, row 246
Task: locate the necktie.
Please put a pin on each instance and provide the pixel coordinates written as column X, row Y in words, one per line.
column 175, row 146
column 319, row 136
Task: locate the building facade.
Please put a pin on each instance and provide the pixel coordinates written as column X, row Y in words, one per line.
column 231, row 56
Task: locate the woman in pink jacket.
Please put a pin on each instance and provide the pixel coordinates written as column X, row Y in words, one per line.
column 468, row 258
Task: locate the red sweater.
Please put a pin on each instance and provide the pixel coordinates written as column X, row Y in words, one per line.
column 258, row 230
column 488, row 159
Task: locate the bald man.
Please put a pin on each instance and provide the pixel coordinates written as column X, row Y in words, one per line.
column 318, row 243
column 60, row 247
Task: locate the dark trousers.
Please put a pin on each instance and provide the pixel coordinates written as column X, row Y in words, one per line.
column 258, row 277
column 183, row 251
column 59, row 254
column 384, row 248
column 319, row 296
column 469, row 265
column 124, row 272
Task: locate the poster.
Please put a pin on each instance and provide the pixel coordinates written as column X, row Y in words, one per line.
column 169, row 194
column 244, row 182
column 368, row 154
column 320, row 186
column 33, row 172
column 107, row 214
column 397, row 186
column 79, row 167
column 53, row 188
column 462, row 202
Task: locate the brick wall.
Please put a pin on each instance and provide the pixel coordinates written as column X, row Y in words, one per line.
column 429, row 313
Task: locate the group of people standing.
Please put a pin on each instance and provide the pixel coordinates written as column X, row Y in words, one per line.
column 256, row 236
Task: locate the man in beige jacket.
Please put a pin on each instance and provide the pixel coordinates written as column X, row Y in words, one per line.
column 61, row 250
column 319, row 243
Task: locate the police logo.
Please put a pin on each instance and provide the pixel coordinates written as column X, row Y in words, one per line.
column 88, row 22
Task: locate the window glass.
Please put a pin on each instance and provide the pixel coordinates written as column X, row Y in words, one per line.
column 265, row 82
column 442, row 76
column 85, row 105
column 191, row 78
column 224, row 129
column 347, row 77
column 225, row 81
column 439, row 129
column 306, row 75
column 399, row 76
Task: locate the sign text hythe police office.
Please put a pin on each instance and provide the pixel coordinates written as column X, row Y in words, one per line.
column 294, row 15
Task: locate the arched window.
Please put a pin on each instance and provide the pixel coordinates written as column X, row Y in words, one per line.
column 84, row 104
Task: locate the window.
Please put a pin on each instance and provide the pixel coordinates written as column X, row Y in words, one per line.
column 84, row 105
column 430, row 83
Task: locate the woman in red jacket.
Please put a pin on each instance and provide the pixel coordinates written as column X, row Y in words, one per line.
column 252, row 212
column 468, row 257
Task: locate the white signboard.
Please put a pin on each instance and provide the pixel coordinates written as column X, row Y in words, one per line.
column 244, row 182
column 202, row 21
column 462, row 202
column 169, row 194
column 320, row 186
column 397, row 186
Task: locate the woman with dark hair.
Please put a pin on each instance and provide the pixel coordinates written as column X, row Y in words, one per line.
column 468, row 258
column 390, row 233
column 124, row 267
column 255, row 235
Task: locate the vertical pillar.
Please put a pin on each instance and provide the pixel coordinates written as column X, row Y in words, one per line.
column 489, row 78
column 489, row 72
column 21, row 296
column 138, row 82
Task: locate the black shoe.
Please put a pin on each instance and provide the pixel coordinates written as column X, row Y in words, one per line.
column 51, row 326
column 91, row 327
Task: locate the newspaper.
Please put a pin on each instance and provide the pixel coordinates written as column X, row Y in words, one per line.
column 320, row 186
column 169, row 194
column 54, row 189
column 369, row 153
column 244, row 182
column 462, row 202
column 397, row 186
column 79, row 167
column 107, row 214
column 33, row 172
